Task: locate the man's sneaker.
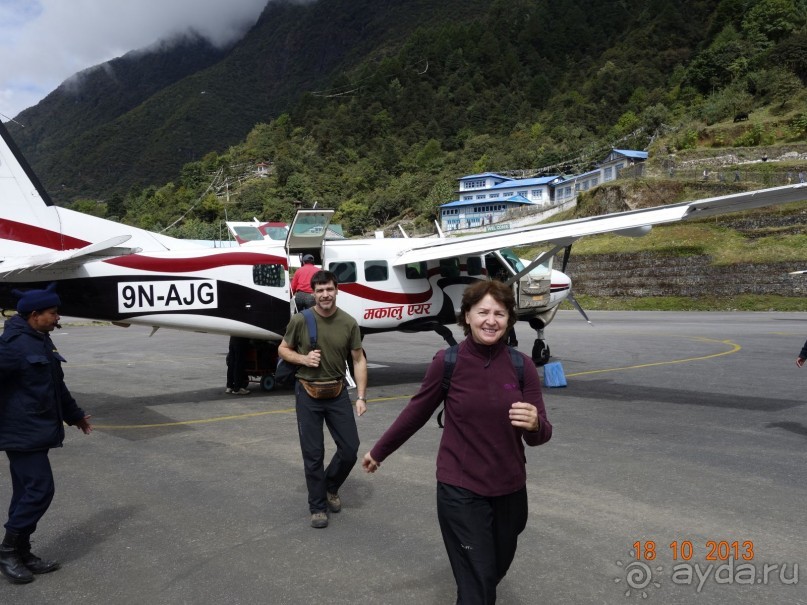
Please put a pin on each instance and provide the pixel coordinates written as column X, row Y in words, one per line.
column 228, row 390
column 334, row 502
column 241, row 392
column 319, row 520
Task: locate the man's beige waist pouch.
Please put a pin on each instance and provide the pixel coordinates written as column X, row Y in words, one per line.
column 327, row 389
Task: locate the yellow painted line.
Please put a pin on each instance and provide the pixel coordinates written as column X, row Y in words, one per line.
column 733, row 348
column 112, row 427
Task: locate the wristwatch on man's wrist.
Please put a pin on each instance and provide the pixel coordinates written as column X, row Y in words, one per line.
column 361, row 399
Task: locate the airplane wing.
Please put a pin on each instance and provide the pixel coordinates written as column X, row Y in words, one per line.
column 67, row 259
column 632, row 222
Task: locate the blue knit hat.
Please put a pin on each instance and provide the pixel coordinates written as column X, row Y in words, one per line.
column 36, row 300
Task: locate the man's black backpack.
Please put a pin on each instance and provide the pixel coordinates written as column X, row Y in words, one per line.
column 450, row 360
column 285, row 372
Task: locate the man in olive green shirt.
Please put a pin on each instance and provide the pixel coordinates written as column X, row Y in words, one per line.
column 321, row 373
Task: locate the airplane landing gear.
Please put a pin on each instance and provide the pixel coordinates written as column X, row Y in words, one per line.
column 540, row 352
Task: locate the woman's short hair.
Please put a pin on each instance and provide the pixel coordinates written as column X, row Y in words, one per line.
column 498, row 291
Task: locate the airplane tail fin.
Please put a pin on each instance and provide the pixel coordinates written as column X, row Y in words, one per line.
column 32, row 224
column 24, row 203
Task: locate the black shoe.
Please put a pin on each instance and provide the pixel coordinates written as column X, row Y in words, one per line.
column 31, row 561
column 11, row 564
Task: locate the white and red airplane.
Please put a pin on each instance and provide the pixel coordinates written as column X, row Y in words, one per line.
column 129, row 276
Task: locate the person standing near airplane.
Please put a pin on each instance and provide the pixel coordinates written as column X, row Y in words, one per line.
column 491, row 409
column 237, row 379
column 301, row 283
column 34, row 404
column 802, row 356
column 321, row 395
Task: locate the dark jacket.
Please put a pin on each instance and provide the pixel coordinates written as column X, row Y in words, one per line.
column 34, row 400
column 480, row 450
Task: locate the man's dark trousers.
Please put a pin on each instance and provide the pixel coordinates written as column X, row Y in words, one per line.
column 33, row 489
column 337, row 414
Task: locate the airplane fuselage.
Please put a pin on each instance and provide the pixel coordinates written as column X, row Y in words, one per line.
column 245, row 291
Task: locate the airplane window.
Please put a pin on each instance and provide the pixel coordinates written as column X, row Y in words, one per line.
column 276, row 233
column 249, row 234
column 376, row 270
column 310, row 225
column 474, row 264
column 269, row 275
column 416, row 270
column 495, row 268
column 450, row 267
column 345, row 272
column 511, row 259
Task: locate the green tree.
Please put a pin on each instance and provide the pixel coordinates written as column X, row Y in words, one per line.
column 92, row 207
column 769, row 21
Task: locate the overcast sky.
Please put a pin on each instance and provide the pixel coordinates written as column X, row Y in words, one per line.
column 44, row 42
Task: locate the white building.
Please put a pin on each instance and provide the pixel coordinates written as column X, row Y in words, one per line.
column 485, row 198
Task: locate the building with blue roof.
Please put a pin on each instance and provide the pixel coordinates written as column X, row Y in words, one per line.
column 486, row 198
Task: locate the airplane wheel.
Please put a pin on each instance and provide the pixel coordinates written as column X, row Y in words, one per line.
column 268, row 382
column 540, row 352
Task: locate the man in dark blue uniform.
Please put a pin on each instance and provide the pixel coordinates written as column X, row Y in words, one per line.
column 34, row 405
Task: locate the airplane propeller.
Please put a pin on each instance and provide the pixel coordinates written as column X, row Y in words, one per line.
column 570, row 297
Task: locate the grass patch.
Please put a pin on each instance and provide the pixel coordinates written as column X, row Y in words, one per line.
column 745, row 302
column 726, row 246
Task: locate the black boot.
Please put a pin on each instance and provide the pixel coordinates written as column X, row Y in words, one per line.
column 31, row 561
column 11, row 564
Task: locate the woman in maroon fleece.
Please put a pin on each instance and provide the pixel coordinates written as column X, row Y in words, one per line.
column 481, row 474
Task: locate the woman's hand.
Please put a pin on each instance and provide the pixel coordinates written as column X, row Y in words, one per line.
column 368, row 464
column 524, row 416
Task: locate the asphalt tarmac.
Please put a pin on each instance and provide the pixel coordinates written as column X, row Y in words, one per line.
column 676, row 474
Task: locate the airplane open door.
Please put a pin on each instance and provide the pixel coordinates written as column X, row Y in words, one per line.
column 532, row 289
column 307, row 232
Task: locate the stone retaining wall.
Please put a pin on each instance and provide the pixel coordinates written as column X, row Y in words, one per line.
column 648, row 274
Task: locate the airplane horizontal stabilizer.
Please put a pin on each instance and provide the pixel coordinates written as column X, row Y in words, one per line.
column 67, row 259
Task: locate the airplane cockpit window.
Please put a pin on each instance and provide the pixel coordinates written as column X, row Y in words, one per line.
column 376, row 270
column 511, row 259
column 496, row 268
column 416, row 270
column 345, row 271
column 474, row 264
column 269, row 275
column 249, row 234
column 450, row 267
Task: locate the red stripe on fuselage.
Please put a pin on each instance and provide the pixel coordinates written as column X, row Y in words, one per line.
column 396, row 298
column 195, row 263
column 45, row 238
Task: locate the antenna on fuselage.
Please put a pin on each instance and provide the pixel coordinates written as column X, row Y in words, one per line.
column 439, row 231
